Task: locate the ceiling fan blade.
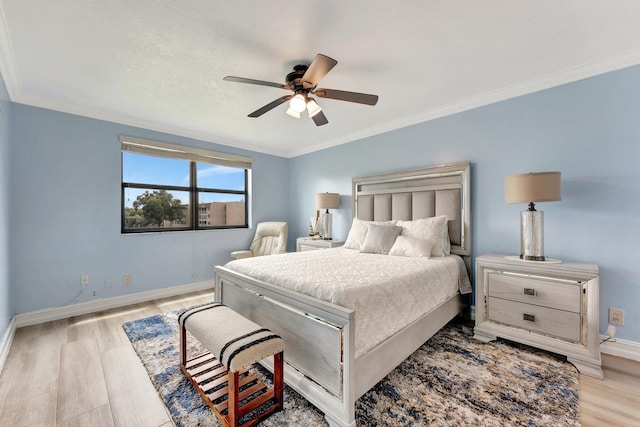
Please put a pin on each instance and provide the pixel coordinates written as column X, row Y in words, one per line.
column 319, row 68
column 360, row 98
column 255, row 82
column 320, row 119
column 270, row 106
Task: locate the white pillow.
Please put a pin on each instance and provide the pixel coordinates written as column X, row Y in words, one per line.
column 358, row 232
column 434, row 229
column 411, row 247
column 380, row 238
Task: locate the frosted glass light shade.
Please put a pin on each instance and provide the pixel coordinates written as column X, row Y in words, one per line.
column 313, row 108
column 298, row 103
column 293, row 114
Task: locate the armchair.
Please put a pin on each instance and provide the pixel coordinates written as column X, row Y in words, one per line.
column 270, row 238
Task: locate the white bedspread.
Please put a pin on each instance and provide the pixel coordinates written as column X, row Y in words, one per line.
column 386, row 292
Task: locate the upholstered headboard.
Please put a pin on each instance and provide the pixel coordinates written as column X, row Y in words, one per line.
column 419, row 193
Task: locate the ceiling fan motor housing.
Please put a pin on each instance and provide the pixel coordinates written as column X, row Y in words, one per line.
column 294, row 78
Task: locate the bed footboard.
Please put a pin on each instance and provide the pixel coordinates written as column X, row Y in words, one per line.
column 319, row 337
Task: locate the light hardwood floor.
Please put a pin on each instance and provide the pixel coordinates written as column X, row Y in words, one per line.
column 83, row 371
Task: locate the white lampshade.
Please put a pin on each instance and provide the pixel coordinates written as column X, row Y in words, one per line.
column 532, row 187
column 293, row 114
column 327, row 200
column 298, row 103
column 312, row 107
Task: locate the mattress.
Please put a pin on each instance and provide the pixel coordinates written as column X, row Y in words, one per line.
column 386, row 292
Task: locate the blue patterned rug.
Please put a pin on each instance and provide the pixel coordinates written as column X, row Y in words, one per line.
column 452, row 380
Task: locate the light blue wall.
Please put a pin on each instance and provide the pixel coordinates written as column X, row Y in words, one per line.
column 589, row 130
column 6, row 310
column 65, row 193
column 65, row 214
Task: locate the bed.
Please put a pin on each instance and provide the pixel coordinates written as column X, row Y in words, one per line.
column 373, row 310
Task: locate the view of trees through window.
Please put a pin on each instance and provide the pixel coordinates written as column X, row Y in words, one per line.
column 153, row 209
column 158, row 193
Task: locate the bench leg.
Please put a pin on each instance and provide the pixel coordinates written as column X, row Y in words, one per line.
column 183, row 346
column 233, row 410
column 278, row 380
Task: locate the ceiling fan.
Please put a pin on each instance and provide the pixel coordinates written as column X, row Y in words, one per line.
column 303, row 81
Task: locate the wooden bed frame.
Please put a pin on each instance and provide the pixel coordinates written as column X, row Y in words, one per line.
column 319, row 336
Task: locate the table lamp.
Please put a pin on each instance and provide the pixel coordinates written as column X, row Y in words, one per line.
column 532, row 188
column 326, row 201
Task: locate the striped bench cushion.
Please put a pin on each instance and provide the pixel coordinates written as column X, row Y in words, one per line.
column 236, row 341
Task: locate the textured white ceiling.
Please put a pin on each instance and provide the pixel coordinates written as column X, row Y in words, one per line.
column 159, row 64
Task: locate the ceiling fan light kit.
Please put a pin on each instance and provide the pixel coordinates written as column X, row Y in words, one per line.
column 293, row 114
column 312, row 107
column 303, row 81
column 298, row 103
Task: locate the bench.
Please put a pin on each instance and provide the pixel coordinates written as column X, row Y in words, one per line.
column 221, row 377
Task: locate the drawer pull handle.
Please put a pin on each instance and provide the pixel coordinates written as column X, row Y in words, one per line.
column 530, row 291
column 529, row 317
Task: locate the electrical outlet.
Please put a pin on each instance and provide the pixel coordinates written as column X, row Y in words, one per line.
column 107, row 284
column 616, row 316
column 84, row 279
column 126, row 280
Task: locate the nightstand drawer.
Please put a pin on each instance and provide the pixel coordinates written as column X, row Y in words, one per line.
column 558, row 295
column 303, row 247
column 557, row 323
column 306, row 244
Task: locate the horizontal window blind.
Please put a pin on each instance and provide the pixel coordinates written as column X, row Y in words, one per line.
column 149, row 147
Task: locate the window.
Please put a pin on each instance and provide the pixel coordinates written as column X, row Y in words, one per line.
column 166, row 187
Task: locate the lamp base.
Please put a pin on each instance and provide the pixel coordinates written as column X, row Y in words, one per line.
column 532, row 235
column 532, row 258
column 547, row 260
column 325, row 221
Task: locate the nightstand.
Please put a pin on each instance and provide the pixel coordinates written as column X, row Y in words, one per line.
column 552, row 306
column 308, row 244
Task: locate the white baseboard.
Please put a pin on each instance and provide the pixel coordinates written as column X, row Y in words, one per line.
column 51, row 314
column 7, row 340
column 621, row 348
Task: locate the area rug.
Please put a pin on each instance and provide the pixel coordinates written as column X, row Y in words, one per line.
column 452, row 380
